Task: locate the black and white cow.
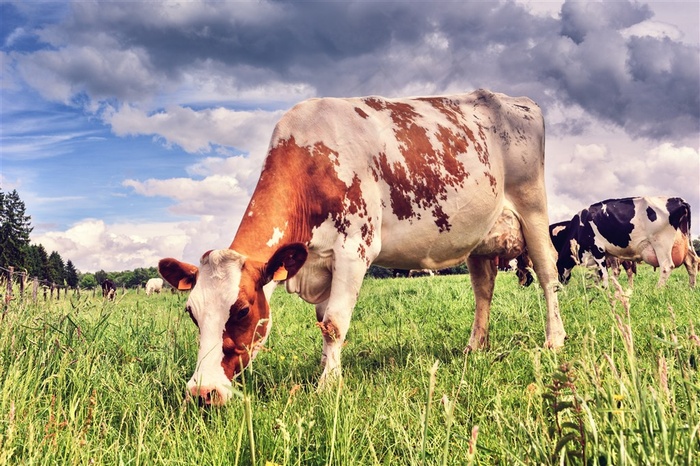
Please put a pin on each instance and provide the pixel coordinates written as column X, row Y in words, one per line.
column 109, row 289
column 655, row 230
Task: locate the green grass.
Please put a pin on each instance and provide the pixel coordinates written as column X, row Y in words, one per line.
column 90, row 382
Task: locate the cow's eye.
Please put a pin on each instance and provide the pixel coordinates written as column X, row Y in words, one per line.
column 242, row 313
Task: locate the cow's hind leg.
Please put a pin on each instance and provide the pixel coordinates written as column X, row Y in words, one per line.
column 482, row 273
column 535, row 226
column 659, row 252
column 691, row 262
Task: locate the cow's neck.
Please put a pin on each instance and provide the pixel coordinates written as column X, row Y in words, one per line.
column 277, row 213
column 268, row 223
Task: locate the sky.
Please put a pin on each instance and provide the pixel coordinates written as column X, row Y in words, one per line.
column 136, row 130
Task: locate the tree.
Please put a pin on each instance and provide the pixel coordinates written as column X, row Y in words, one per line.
column 88, row 281
column 37, row 262
column 140, row 278
column 71, row 274
column 100, row 276
column 56, row 268
column 15, row 227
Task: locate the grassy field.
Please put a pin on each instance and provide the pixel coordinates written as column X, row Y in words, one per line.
column 90, row 382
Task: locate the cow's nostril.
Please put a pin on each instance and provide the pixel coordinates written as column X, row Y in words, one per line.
column 201, row 395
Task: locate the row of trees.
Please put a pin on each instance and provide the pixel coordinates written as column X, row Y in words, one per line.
column 16, row 251
column 127, row 279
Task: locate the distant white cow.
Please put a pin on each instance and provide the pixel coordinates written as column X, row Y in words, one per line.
column 154, row 285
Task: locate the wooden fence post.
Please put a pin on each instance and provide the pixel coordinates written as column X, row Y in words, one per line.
column 22, row 277
column 35, row 288
column 8, row 294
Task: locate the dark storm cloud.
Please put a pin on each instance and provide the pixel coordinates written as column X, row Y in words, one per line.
column 647, row 85
column 274, row 36
column 579, row 19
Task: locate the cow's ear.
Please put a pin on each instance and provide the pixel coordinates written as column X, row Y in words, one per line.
column 180, row 275
column 286, row 262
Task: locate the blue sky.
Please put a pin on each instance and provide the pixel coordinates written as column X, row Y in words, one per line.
column 135, row 131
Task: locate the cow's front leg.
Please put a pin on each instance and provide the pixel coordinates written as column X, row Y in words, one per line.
column 603, row 271
column 320, row 313
column 482, row 272
column 334, row 317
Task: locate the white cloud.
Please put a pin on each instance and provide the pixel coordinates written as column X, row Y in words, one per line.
column 93, row 245
column 214, row 195
column 198, row 131
column 655, row 29
column 587, row 174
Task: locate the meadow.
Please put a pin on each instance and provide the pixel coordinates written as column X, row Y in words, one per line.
column 84, row 381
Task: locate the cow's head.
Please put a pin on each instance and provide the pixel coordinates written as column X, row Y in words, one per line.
column 228, row 304
column 568, row 254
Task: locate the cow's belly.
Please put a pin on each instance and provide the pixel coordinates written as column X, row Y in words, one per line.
column 419, row 244
column 641, row 249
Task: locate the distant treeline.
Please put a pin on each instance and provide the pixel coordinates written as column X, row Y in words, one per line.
column 32, row 260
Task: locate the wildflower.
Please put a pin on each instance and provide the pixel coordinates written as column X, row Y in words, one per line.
column 295, row 358
column 618, row 397
column 282, row 357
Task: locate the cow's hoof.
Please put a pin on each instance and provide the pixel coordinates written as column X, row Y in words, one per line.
column 555, row 343
column 329, row 380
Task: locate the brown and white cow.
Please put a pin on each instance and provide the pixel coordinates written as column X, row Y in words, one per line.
column 408, row 183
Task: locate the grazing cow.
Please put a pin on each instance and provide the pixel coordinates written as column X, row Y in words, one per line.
column 523, row 268
column 402, row 183
column 421, row 273
column 154, row 285
column 109, row 289
column 650, row 229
